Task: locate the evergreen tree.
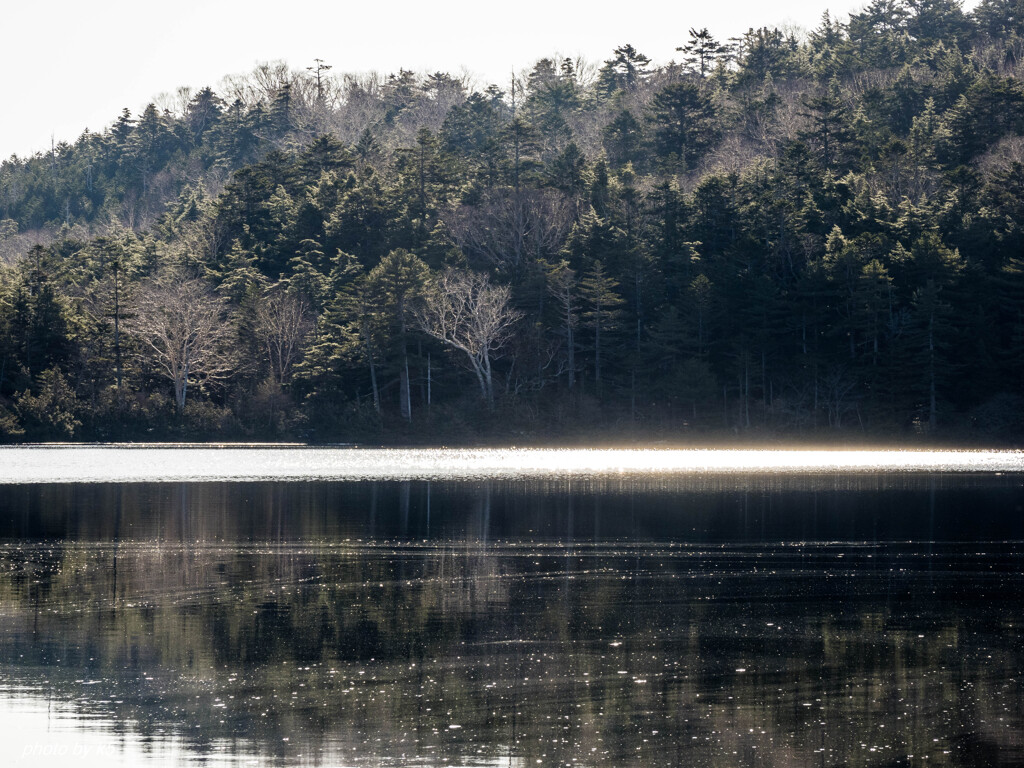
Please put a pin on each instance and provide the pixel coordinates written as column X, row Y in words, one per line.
column 392, row 287
column 829, row 126
column 622, row 139
column 879, row 34
column 597, row 292
column 928, row 341
column 999, row 19
column 625, row 71
column 702, row 51
column 683, row 119
column 562, row 284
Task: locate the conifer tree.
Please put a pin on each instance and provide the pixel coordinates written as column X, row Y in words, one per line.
column 597, row 292
column 562, row 285
column 392, row 288
column 830, row 126
column 684, row 126
column 702, row 52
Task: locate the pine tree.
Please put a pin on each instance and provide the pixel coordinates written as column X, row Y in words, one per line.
column 626, row 70
column 928, row 341
column 829, row 121
column 240, row 276
column 597, row 292
column 306, row 279
column 562, row 285
column 684, row 124
column 391, row 289
column 702, row 52
column 622, row 139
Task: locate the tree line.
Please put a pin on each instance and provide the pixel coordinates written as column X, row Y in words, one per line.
column 773, row 235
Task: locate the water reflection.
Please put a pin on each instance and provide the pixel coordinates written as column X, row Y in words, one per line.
column 506, row 624
column 750, row 509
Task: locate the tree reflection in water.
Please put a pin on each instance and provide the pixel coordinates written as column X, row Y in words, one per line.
column 417, row 624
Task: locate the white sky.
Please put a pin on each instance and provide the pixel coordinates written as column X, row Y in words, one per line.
column 69, row 64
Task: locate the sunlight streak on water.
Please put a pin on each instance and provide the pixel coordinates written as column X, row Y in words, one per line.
column 37, row 731
column 46, row 464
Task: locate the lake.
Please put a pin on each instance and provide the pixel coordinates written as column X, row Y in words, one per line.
column 267, row 607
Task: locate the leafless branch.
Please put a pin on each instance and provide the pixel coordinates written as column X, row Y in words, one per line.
column 465, row 312
column 181, row 324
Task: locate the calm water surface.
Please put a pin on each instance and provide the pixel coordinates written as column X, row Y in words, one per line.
column 622, row 609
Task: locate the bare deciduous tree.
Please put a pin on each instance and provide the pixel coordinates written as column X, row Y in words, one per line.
column 283, row 321
column 508, row 230
column 180, row 323
column 12, row 244
column 465, row 312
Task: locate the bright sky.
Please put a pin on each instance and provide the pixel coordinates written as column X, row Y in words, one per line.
column 69, row 65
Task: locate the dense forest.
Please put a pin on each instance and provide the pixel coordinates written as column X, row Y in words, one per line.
column 774, row 236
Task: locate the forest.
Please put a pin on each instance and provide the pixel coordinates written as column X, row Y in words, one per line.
column 783, row 236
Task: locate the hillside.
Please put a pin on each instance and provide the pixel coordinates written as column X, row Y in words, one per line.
column 774, row 237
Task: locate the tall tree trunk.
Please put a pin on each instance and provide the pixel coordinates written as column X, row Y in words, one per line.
column 404, row 394
column 373, row 372
column 181, row 391
column 746, row 390
column 632, row 397
column 403, row 376
column 932, row 406
column 639, row 308
column 571, row 343
column 489, row 382
column 764, row 386
column 117, row 333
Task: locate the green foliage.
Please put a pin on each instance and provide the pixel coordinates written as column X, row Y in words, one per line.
column 830, row 131
column 10, row 427
column 625, row 71
column 602, row 309
column 770, row 53
column 684, row 125
column 50, row 413
column 702, row 52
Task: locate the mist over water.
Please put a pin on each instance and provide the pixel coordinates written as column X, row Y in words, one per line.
column 651, row 618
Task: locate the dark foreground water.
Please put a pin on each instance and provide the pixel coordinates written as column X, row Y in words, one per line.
column 722, row 620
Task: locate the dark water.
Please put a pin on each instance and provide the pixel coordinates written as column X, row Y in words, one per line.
column 870, row 620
